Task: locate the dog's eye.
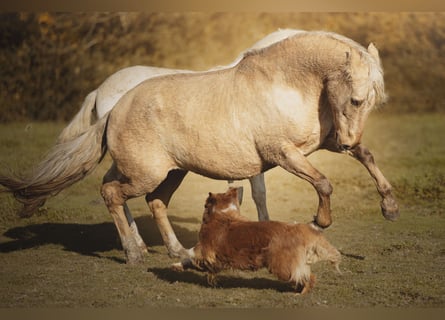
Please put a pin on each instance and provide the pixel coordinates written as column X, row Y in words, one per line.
column 356, row 103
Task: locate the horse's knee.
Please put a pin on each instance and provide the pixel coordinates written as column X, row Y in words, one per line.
column 324, row 187
column 157, row 208
column 362, row 154
column 112, row 194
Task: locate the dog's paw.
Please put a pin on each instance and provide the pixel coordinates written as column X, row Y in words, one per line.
column 211, row 279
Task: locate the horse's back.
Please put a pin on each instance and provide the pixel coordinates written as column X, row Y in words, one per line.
column 119, row 83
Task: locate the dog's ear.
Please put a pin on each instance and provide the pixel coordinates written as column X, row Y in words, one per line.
column 236, row 193
column 211, row 197
column 208, row 207
column 211, row 200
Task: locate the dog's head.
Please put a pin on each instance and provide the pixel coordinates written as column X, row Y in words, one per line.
column 226, row 204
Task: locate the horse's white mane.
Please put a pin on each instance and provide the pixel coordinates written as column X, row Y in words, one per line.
column 265, row 42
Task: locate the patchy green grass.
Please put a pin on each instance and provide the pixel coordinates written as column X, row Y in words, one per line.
column 68, row 255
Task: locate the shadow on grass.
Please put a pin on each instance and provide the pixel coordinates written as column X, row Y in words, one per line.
column 223, row 281
column 87, row 239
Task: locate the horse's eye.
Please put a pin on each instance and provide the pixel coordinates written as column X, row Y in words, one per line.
column 356, row 103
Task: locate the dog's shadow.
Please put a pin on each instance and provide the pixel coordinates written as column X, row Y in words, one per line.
column 88, row 239
column 223, row 281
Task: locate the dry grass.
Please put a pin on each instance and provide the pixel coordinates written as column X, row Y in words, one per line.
column 69, row 255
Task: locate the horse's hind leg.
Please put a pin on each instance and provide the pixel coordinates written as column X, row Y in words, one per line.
column 258, row 188
column 115, row 200
column 174, row 247
column 158, row 201
column 112, row 175
column 134, row 229
column 389, row 206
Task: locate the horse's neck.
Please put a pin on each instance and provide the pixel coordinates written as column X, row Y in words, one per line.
column 318, row 55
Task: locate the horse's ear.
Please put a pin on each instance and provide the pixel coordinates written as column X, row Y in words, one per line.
column 373, row 51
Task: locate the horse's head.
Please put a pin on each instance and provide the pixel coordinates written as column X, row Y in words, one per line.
column 353, row 92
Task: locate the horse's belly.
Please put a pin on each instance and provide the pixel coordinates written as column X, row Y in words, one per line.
column 221, row 164
column 226, row 173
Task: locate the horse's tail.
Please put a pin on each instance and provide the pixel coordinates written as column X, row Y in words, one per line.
column 81, row 121
column 65, row 164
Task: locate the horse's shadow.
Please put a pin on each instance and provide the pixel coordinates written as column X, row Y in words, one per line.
column 223, row 281
column 89, row 239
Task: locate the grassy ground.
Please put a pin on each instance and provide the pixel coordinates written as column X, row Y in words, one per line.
column 68, row 255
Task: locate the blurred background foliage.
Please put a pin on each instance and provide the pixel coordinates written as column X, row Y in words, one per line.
column 50, row 61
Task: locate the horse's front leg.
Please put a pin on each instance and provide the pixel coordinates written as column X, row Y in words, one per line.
column 292, row 160
column 389, row 206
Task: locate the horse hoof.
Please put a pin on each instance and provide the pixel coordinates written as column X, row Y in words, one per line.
column 135, row 257
column 321, row 223
column 144, row 249
column 134, row 261
column 390, row 209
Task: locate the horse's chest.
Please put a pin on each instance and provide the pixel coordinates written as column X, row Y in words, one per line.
column 307, row 142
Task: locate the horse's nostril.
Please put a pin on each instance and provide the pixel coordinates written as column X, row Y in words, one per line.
column 345, row 147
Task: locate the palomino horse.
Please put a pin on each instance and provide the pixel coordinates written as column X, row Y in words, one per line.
column 310, row 91
column 100, row 101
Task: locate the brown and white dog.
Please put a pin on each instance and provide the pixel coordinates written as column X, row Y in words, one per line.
column 228, row 240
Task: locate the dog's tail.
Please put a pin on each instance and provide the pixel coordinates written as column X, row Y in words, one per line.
column 322, row 250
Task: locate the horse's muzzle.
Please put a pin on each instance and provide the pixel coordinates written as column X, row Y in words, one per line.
column 346, row 142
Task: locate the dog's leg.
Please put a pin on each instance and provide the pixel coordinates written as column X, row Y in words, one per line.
column 308, row 285
column 211, row 279
column 194, row 261
column 186, row 264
